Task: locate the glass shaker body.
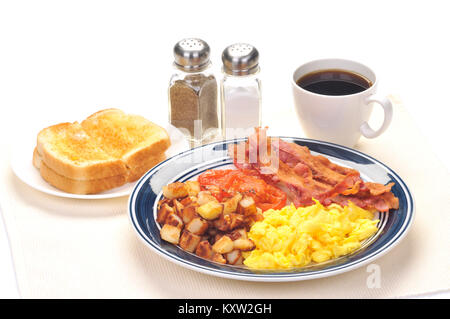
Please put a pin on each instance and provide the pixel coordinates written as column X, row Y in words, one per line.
column 193, row 105
column 241, row 105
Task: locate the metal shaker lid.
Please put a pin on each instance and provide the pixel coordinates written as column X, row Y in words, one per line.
column 191, row 54
column 240, row 59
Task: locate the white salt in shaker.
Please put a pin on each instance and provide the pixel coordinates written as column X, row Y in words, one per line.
column 240, row 91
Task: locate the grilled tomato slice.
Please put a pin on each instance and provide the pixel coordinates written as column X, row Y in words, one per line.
column 226, row 183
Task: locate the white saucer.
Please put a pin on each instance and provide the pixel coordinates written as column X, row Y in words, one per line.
column 22, row 166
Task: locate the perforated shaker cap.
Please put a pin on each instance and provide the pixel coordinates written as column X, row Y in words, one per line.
column 191, row 54
column 240, row 59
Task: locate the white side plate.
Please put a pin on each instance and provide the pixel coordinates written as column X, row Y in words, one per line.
column 22, row 166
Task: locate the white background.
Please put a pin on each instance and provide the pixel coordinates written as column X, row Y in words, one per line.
column 63, row 60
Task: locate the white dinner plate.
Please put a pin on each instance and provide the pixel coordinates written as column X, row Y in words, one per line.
column 22, row 166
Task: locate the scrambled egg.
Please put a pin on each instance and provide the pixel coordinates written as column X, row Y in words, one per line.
column 294, row 237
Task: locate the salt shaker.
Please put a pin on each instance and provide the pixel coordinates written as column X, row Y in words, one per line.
column 240, row 91
column 193, row 104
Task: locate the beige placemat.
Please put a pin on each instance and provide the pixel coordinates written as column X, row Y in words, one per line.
column 87, row 249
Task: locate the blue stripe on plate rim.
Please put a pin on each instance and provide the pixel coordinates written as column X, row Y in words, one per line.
column 278, row 277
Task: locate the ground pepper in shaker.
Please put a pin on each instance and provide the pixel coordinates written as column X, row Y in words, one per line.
column 240, row 91
column 193, row 92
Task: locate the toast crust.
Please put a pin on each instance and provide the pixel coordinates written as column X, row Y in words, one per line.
column 83, row 186
column 37, row 159
column 139, row 171
column 74, row 186
column 139, row 156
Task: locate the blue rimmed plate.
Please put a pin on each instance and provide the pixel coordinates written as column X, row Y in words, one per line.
column 142, row 206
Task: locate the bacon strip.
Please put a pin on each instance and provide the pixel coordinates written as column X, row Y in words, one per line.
column 305, row 176
column 320, row 166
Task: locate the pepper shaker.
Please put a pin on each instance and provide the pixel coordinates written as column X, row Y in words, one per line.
column 240, row 91
column 193, row 92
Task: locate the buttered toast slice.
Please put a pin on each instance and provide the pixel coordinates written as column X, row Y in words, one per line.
column 107, row 150
column 69, row 151
column 131, row 138
column 91, row 186
column 75, row 186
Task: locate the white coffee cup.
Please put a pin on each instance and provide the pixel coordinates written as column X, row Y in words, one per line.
column 340, row 119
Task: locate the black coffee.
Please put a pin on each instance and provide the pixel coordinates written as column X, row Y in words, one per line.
column 334, row 82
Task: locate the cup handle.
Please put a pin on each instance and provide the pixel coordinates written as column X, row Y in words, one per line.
column 365, row 129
